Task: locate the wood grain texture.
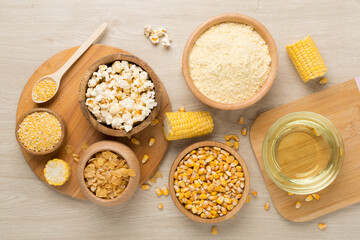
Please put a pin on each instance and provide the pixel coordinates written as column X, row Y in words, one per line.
column 238, row 18
column 78, row 129
column 341, row 105
column 187, row 212
column 29, row 35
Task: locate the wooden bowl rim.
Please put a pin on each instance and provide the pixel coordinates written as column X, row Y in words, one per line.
column 231, row 17
column 108, row 130
column 130, row 159
column 57, row 145
column 187, row 212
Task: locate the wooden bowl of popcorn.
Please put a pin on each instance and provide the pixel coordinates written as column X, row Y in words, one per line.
column 120, row 95
column 209, row 182
column 108, row 173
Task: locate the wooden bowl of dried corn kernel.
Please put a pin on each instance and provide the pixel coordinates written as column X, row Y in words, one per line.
column 108, row 173
column 122, row 109
column 209, row 182
column 40, row 131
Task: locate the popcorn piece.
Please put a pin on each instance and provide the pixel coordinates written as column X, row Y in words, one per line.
column 160, row 32
column 154, row 38
column 166, row 41
column 147, row 30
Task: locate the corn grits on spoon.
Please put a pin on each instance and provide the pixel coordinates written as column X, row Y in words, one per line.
column 56, row 76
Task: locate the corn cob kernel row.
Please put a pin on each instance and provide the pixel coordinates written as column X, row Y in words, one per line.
column 180, row 125
column 209, row 182
column 307, row 59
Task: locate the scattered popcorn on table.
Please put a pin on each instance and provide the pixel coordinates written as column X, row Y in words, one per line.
column 120, row 95
column 154, row 35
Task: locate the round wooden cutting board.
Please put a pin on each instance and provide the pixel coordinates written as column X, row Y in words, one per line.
column 78, row 129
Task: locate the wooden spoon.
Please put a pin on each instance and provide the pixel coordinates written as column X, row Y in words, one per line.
column 56, row 76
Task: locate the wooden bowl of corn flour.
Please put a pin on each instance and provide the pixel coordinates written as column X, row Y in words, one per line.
column 230, row 61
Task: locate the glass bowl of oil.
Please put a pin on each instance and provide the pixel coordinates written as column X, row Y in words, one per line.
column 302, row 152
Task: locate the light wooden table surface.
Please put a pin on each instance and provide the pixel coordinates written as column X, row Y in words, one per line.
column 33, row 31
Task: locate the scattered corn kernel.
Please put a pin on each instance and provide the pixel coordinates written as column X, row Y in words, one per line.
column 230, row 144
column 235, row 138
column 158, row 191
column 316, row 196
column 241, row 120
column 145, row 187
column 145, row 159
column 165, row 191
column 248, row 199
column 267, row 206
column 154, row 122
column 316, row 132
column 228, row 137
column 244, row 131
column 182, row 109
column 254, row 193
column 309, row 198
column 236, row 145
column 214, row 230
column 160, row 206
column 322, row 226
column 135, row 141
column 297, row 204
column 151, row 142
column 290, row 194
column 323, row 81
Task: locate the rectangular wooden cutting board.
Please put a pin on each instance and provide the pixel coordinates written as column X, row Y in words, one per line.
column 341, row 105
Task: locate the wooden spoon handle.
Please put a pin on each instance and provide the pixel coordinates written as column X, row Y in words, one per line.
column 95, row 35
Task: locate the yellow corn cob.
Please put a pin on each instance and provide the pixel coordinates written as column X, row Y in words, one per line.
column 307, row 59
column 57, row 172
column 180, row 125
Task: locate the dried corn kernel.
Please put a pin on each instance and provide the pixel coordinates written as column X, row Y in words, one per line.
column 154, row 122
column 145, row 159
column 241, row 120
column 160, row 206
column 254, row 193
column 248, row 199
column 158, row 191
column 230, row 144
column 57, row 172
column 322, row 226
column 267, row 206
column 39, row 131
column 290, row 194
column 44, row 90
column 297, row 204
column 145, row 187
column 244, row 131
column 316, row 196
column 135, row 141
column 309, row 198
column 181, row 109
column 228, row 137
column 236, row 145
column 235, row 138
column 316, row 132
column 214, row 230
column 151, row 142
column 323, row 81
column 165, row 191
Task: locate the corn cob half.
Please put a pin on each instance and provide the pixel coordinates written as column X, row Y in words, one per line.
column 57, row 172
column 180, row 125
column 307, row 59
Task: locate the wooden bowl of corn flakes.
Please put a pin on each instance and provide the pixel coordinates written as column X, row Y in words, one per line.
column 108, row 173
column 209, row 182
column 120, row 95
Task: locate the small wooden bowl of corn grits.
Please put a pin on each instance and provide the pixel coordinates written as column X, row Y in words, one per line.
column 124, row 153
column 103, row 126
column 40, row 131
column 230, row 61
column 220, row 198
